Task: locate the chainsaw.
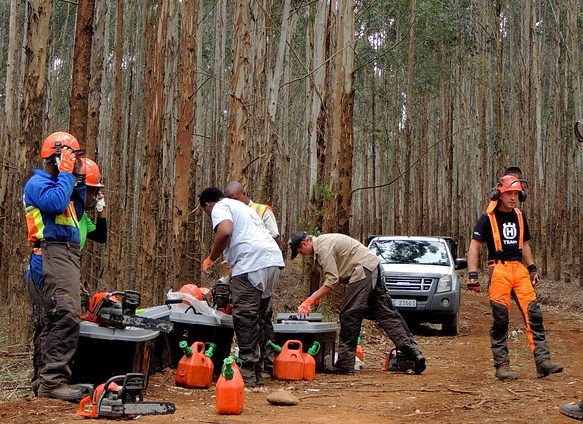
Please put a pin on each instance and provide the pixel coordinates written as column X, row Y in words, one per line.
column 118, row 310
column 121, row 397
column 396, row 361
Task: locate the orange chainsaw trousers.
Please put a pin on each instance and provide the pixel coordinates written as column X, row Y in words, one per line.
column 511, row 279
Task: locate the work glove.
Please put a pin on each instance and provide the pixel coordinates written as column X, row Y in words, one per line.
column 305, row 308
column 206, row 264
column 100, row 205
column 534, row 275
column 472, row 283
column 67, row 161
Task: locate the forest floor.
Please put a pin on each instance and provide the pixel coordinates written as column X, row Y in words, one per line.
column 458, row 386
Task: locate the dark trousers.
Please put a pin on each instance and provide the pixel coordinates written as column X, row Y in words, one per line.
column 360, row 300
column 35, row 265
column 55, row 295
column 252, row 323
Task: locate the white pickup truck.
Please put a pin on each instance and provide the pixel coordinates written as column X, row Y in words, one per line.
column 420, row 276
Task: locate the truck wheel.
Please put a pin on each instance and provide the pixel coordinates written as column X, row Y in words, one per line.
column 450, row 326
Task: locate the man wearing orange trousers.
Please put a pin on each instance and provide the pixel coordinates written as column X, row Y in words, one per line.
column 512, row 272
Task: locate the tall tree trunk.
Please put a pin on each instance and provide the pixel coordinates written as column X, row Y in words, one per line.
column 240, row 83
column 82, row 75
column 499, row 37
column 12, row 100
column 319, row 187
column 97, row 71
column 117, row 163
column 151, row 202
column 409, row 217
column 25, row 152
column 184, row 150
column 213, row 151
column 274, row 76
column 342, row 136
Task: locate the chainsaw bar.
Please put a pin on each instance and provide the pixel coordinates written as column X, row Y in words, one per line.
column 135, row 410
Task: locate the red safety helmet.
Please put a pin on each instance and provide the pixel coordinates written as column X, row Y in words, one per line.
column 64, row 138
column 92, row 174
column 509, row 183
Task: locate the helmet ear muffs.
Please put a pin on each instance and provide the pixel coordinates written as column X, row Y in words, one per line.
column 494, row 194
column 522, row 196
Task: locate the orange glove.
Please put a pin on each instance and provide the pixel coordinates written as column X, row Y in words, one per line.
column 67, row 161
column 305, row 308
column 472, row 283
column 206, row 265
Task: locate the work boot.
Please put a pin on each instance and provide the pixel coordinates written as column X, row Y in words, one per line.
column 64, row 392
column 259, row 378
column 415, row 356
column 547, row 367
column 336, row 370
column 248, row 375
column 504, row 372
column 419, row 360
column 573, row 410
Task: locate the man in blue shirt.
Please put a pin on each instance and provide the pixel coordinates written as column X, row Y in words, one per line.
column 54, row 200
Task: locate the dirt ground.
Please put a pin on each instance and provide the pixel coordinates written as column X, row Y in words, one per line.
column 458, row 385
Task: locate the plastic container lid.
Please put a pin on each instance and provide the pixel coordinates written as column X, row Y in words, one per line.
column 290, row 316
column 174, row 314
column 304, row 327
column 193, row 319
column 129, row 334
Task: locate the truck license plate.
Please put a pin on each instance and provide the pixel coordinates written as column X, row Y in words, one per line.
column 405, row 303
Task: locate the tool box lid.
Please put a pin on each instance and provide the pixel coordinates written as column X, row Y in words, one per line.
column 305, row 327
column 181, row 314
column 129, row 334
column 197, row 319
column 291, row 316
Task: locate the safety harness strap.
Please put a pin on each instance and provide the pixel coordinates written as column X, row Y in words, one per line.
column 496, row 230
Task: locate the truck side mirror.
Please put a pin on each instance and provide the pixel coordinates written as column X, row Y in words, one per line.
column 461, row 263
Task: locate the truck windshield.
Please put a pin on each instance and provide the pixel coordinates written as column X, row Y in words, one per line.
column 410, row 252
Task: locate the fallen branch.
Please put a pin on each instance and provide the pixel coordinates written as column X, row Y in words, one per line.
column 14, row 387
column 6, row 353
column 467, row 392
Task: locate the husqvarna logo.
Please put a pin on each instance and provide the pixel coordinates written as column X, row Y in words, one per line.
column 509, row 232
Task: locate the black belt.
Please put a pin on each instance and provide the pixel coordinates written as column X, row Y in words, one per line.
column 41, row 243
column 502, row 261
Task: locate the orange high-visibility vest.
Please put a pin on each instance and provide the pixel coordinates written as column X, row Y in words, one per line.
column 496, row 231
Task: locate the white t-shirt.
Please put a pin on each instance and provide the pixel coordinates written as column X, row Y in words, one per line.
column 251, row 247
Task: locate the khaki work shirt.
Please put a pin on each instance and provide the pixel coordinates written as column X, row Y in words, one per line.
column 342, row 259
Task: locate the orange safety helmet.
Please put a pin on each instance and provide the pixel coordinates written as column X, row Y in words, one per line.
column 91, row 171
column 49, row 144
column 191, row 289
column 509, row 183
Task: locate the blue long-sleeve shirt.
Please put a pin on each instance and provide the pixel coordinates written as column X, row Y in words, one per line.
column 54, row 205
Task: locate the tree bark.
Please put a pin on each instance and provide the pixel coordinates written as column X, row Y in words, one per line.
column 240, row 85
column 82, row 75
column 24, row 152
column 183, row 155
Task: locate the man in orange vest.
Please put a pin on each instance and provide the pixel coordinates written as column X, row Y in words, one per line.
column 235, row 190
column 512, row 272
